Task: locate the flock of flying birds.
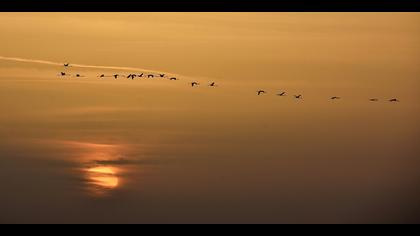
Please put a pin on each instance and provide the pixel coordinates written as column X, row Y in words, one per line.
column 195, row 84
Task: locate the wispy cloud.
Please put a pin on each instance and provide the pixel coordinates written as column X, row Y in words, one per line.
column 52, row 63
column 124, row 161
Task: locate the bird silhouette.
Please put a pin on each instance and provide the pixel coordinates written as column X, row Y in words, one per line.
column 212, row 84
column 132, row 76
column 282, row 94
column 259, row 92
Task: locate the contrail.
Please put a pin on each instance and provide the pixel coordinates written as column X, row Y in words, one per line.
column 52, row 63
column 30, row 61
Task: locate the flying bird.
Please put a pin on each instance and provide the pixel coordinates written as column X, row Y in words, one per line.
column 194, row 84
column 173, row 78
column 162, row 75
column 66, row 64
column 259, row 92
column 373, row 99
column 132, row 76
column 63, row 74
column 282, row 94
column 394, row 100
column 212, row 84
column 116, row 76
column 101, row 76
column 335, row 98
column 150, row 76
column 298, row 97
column 141, row 75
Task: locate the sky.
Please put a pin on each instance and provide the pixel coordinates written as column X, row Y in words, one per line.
column 92, row 150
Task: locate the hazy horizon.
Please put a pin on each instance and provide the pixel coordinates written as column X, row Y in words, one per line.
column 105, row 150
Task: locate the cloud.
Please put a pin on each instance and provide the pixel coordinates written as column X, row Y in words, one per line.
column 124, row 161
column 133, row 69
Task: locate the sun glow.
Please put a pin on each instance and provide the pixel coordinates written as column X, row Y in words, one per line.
column 104, row 177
